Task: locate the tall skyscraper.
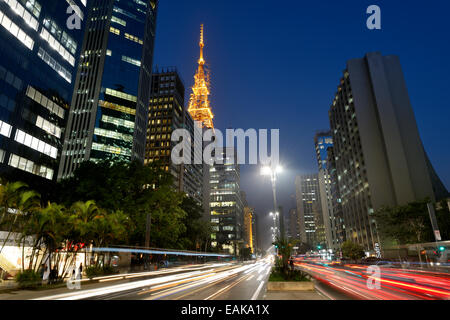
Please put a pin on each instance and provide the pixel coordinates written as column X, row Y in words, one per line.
column 109, row 110
column 380, row 159
column 324, row 140
column 166, row 114
column 226, row 204
column 292, row 229
column 40, row 49
column 309, row 208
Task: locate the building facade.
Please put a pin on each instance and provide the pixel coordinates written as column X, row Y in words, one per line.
column 109, row 109
column 166, row 114
column 324, row 140
column 309, row 209
column 292, row 230
column 40, row 47
column 336, row 201
column 380, row 159
column 226, row 205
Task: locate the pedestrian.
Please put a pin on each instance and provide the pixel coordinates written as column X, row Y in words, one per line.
column 42, row 271
column 291, row 263
column 53, row 275
column 80, row 271
column 45, row 275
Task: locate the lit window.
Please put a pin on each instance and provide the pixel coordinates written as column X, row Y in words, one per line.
column 5, row 129
column 15, row 30
column 24, row 14
column 55, row 65
column 114, row 30
column 24, row 164
column 131, row 60
column 30, row 141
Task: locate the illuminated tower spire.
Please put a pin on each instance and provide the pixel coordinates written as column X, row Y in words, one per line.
column 199, row 107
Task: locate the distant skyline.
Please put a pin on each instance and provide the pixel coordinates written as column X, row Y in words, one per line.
column 278, row 67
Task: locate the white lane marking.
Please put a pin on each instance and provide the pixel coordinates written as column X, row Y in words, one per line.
column 216, row 293
column 251, row 277
column 260, row 277
column 324, row 294
column 256, row 294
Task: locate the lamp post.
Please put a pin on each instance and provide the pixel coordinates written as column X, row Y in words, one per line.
column 272, row 172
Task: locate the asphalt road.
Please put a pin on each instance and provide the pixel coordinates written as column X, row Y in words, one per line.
column 227, row 281
column 362, row 282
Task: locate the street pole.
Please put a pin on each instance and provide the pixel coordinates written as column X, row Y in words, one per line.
column 147, row 239
column 147, row 230
column 274, row 190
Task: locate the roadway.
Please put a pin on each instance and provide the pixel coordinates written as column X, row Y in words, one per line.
column 353, row 281
column 225, row 281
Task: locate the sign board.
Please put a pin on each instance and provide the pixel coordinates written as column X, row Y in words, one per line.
column 437, row 235
column 377, row 250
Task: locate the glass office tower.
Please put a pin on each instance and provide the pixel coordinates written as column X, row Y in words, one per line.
column 109, row 110
column 37, row 74
column 226, row 204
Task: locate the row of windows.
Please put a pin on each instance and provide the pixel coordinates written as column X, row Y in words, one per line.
column 55, row 44
column 45, row 102
column 223, row 204
column 160, row 137
column 55, row 65
column 119, row 21
column 16, row 31
column 121, row 95
column 35, row 144
column 29, row 166
column 48, row 127
column 131, row 60
column 113, row 106
column 24, row 14
column 11, row 78
column 113, row 134
column 161, row 99
column 152, row 153
column 33, row 6
column 114, row 30
column 133, row 38
column 118, row 121
column 110, row 149
column 60, row 35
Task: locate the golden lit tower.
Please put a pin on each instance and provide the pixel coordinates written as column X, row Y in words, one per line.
column 199, row 106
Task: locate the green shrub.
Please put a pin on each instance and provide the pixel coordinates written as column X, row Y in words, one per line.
column 28, row 279
column 288, row 275
column 96, row 271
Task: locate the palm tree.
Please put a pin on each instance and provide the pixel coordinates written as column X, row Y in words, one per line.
column 81, row 216
column 16, row 201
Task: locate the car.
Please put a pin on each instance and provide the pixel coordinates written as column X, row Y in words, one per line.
column 387, row 264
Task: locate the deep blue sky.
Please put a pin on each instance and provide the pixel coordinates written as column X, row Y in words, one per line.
column 277, row 64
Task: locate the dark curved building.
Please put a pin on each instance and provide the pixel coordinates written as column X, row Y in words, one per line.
column 379, row 156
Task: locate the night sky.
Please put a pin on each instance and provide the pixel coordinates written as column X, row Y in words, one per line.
column 277, row 64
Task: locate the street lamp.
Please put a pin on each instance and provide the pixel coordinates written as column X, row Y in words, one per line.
column 272, row 171
column 274, row 216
